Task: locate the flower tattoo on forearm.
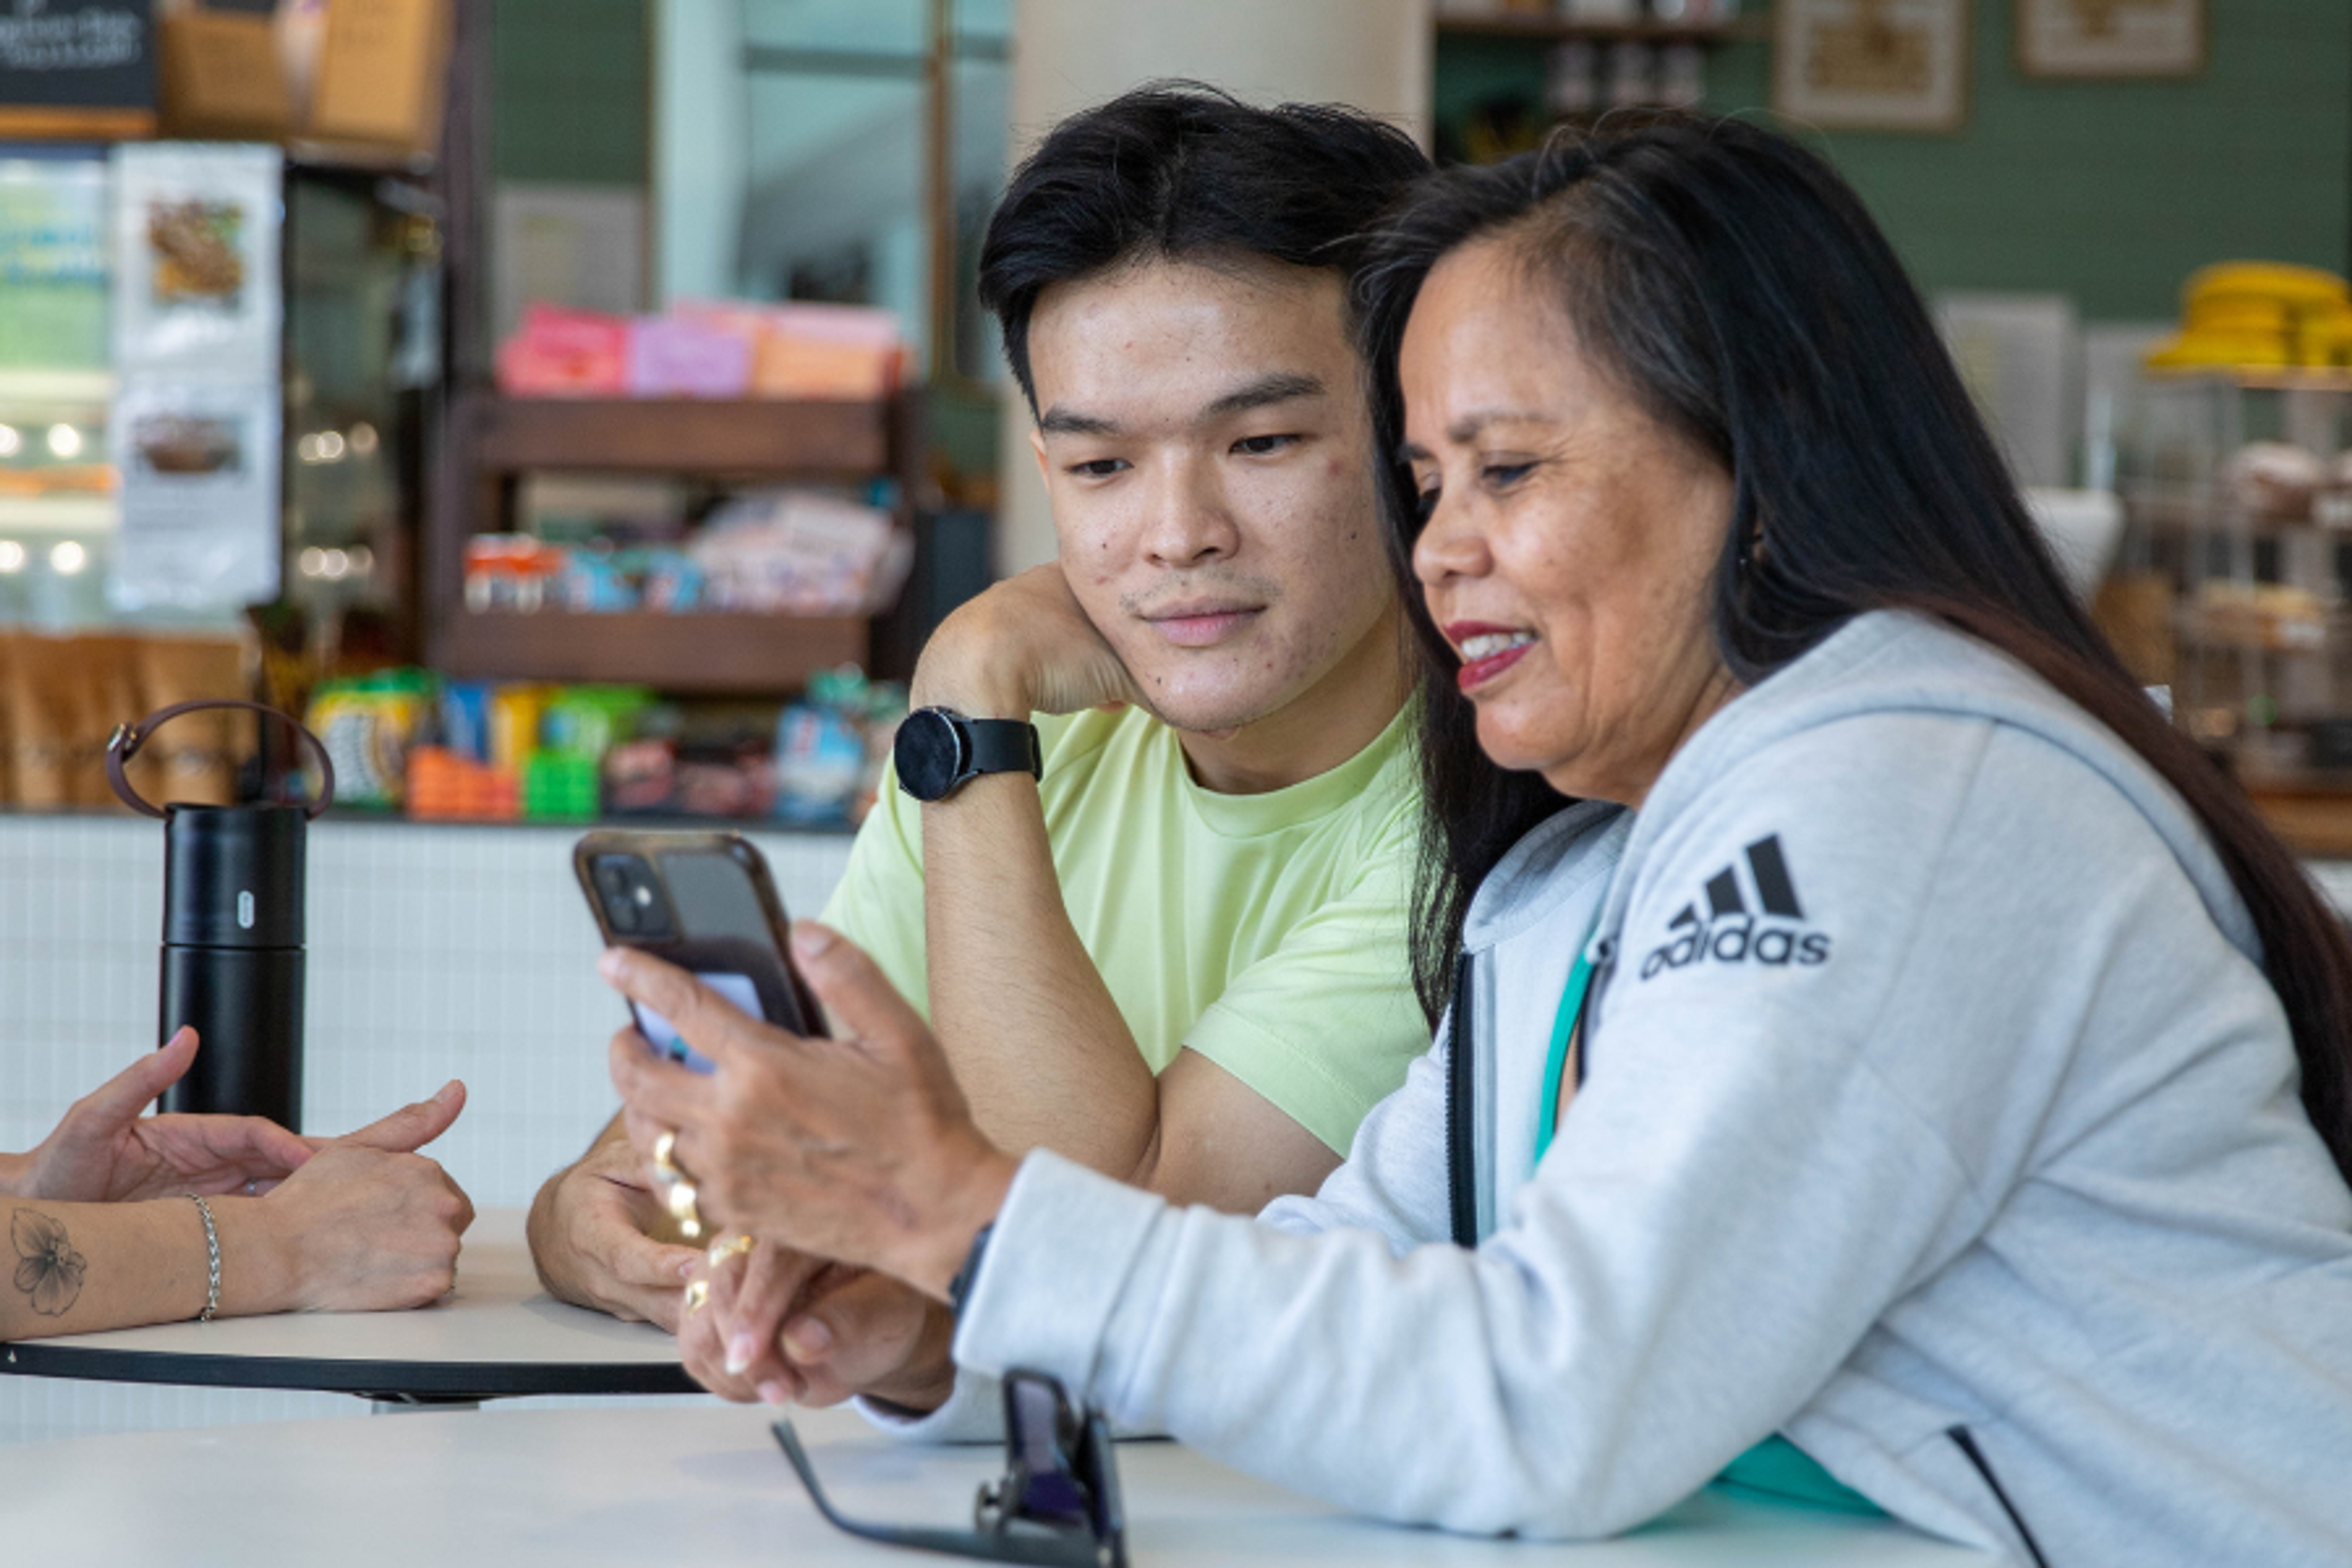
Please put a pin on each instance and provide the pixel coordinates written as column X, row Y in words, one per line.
column 49, row 1269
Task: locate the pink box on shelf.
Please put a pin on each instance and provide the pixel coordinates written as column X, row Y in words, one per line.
column 809, row 351
column 673, row 356
column 558, row 353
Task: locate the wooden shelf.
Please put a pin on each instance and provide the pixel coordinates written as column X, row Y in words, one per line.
column 751, row 437
column 712, row 655
column 1553, row 29
column 2314, row 821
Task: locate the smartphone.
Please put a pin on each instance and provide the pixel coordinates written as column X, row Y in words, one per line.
column 703, row 902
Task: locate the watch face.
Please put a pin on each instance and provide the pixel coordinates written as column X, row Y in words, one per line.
column 929, row 754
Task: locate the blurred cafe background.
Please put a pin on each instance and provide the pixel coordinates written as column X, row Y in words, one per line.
column 578, row 411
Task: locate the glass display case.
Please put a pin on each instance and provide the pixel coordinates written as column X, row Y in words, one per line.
column 57, row 510
column 362, row 355
column 2231, row 587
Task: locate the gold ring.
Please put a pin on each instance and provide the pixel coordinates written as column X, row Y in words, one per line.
column 681, row 1198
column 665, row 1167
column 698, row 1296
column 728, row 1246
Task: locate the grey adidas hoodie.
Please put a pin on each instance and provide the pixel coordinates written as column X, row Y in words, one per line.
column 1935, row 1114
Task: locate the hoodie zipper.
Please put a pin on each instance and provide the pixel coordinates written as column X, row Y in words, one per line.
column 1604, row 960
column 1965, row 1440
column 1461, row 1156
column 1461, row 1080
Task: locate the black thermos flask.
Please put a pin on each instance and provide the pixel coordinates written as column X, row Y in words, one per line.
column 232, row 932
column 232, row 956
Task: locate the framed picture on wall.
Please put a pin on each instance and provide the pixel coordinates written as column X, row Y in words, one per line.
column 1870, row 65
column 2110, row 37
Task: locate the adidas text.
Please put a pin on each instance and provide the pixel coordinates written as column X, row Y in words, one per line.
column 1726, row 932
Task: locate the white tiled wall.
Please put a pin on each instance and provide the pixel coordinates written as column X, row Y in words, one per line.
column 435, row 952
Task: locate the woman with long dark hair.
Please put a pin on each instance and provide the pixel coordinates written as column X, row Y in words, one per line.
column 1878, row 1058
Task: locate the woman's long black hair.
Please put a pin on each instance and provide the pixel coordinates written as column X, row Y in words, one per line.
column 1735, row 286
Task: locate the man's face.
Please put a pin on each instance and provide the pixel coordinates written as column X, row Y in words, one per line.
column 1206, row 447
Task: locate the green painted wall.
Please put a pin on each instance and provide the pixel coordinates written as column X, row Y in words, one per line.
column 2111, row 191
column 571, row 90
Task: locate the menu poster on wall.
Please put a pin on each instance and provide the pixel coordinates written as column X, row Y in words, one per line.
column 200, row 495
column 196, row 241
column 196, row 402
column 55, row 278
column 77, row 69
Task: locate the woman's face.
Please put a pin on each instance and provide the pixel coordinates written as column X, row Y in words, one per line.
column 1569, row 541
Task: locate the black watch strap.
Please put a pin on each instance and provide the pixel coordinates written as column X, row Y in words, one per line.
column 959, row 1287
column 1005, row 746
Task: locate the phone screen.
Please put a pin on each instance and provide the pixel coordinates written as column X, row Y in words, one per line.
column 668, row 1042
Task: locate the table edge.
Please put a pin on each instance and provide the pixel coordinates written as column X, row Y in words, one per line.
column 478, row 1380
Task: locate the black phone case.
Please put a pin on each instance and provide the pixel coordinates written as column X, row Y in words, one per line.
column 728, row 918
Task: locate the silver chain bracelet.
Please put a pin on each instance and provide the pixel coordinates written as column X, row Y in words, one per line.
column 212, row 1260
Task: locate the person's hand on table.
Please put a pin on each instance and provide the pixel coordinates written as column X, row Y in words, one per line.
column 1024, row 647
column 368, row 1224
column 858, row 1149
column 105, row 1151
column 597, row 1240
column 781, row 1327
column 728, row 1341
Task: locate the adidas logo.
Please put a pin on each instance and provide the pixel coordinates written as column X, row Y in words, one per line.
column 1728, row 931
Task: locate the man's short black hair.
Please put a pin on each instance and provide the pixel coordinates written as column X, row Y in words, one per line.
column 1181, row 170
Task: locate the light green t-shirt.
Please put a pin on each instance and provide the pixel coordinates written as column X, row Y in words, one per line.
column 1266, row 932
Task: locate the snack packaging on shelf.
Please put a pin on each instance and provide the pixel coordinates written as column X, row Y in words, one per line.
column 367, row 724
column 446, row 786
column 802, row 349
column 561, row 352
column 532, row 751
column 515, row 712
column 820, row 763
column 831, row 748
column 589, row 720
column 707, row 348
column 466, row 720
column 802, row 552
column 639, row 774
column 597, row 582
column 680, row 357
column 512, row 572
column 737, row 783
column 668, row 580
column 561, row 784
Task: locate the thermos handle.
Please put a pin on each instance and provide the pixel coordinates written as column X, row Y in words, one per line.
column 129, row 737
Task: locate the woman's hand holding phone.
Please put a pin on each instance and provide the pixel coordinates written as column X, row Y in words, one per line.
column 860, row 1149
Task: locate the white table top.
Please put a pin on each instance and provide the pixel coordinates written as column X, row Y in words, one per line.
column 498, row 1333
column 707, row 1488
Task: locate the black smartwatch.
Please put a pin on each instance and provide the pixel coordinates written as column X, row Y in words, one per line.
column 938, row 751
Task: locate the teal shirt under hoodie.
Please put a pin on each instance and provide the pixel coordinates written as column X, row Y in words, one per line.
column 1932, row 1092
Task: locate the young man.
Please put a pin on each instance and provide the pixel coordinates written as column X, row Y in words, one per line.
column 1177, row 953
